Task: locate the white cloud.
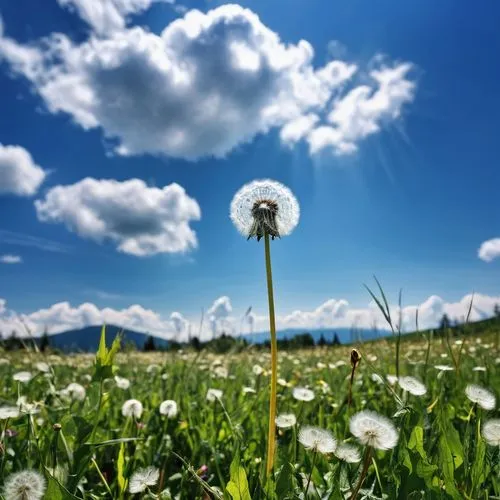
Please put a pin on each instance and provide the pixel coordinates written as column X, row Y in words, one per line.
column 106, row 16
column 10, row 259
column 19, row 174
column 207, row 84
column 219, row 316
column 489, row 250
column 180, row 323
column 142, row 220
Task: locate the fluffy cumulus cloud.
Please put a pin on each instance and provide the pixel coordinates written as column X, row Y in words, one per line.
column 180, row 323
column 10, row 259
column 19, row 174
column 206, row 84
column 141, row 220
column 489, row 250
column 219, row 315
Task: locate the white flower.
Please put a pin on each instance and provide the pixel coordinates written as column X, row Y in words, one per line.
column 213, row 394
column 317, row 439
column 42, row 367
column 122, row 383
column 221, row 372
column 412, row 385
column 142, row 478
column 348, row 453
column 249, row 390
column 479, row 369
column 132, row 408
column 7, row 412
column 74, row 391
column 264, row 206
column 22, row 376
column 444, row 368
column 491, row 432
column 25, row 407
column 303, row 394
column 24, row 485
column 257, row 370
column 286, row 420
column 484, row 398
column 169, row 408
column 373, row 430
column 152, row 368
column 392, row 379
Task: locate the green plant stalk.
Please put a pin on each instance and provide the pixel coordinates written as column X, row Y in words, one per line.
column 271, row 438
column 310, row 473
column 366, row 465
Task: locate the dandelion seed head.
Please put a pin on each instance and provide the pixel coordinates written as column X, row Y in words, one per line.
column 23, row 377
column 285, row 420
column 122, row 383
column 444, row 368
column 7, row 412
column 169, row 408
column 348, row 453
column 372, row 429
column 132, row 408
column 303, row 394
column 264, row 206
column 483, row 397
column 392, row 379
column 491, row 432
column 74, row 391
column 257, row 370
column 412, row 385
column 248, row 390
column 42, row 367
column 213, row 394
column 142, row 479
column 317, row 439
column 24, row 485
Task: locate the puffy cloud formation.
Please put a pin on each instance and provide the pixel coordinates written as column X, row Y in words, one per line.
column 142, row 220
column 219, row 315
column 207, row 84
column 10, row 259
column 181, row 324
column 489, row 250
column 19, row 174
column 106, row 16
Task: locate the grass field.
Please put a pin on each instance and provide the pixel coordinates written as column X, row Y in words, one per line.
column 87, row 442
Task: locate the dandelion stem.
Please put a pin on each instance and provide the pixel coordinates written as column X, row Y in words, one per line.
column 310, row 473
column 274, row 359
column 366, row 465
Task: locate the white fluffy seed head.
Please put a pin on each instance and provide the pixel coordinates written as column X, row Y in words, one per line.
column 213, row 394
column 266, row 190
column 285, row 420
column 7, row 412
column 412, row 385
column 132, row 408
column 372, row 429
column 491, row 432
column 484, row 398
column 348, row 453
column 303, row 394
column 22, row 377
column 169, row 408
column 317, row 439
column 42, row 367
column 143, row 478
column 122, row 383
column 24, row 485
column 75, row 392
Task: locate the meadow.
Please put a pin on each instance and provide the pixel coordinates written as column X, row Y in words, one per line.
column 193, row 425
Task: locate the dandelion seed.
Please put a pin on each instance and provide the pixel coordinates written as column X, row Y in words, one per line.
column 348, row 453
column 484, row 398
column 373, row 430
column 24, row 485
column 169, row 408
column 213, row 394
column 286, row 420
column 132, row 408
column 303, row 394
column 23, row 377
column 143, row 478
column 491, row 432
column 7, row 412
column 317, row 439
column 412, row 385
column 122, row 383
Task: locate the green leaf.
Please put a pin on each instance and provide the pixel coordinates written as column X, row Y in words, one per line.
column 56, row 491
column 104, row 357
column 120, row 466
column 237, row 487
column 285, row 482
column 447, row 466
column 416, row 441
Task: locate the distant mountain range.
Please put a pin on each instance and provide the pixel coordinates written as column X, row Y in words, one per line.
column 87, row 339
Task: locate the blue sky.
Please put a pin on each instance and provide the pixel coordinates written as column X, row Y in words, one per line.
column 408, row 192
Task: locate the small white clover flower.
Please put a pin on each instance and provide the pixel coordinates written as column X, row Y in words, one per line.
column 143, row 478
column 42, row 367
column 285, row 420
column 24, row 485
column 373, row 430
column 264, row 206
column 484, row 398
column 122, row 383
column 23, row 377
column 169, row 408
column 75, row 392
column 7, row 412
column 412, row 385
column 132, row 408
column 303, row 394
column 317, row 439
column 491, row 432
column 348, row 453
column 213, row 394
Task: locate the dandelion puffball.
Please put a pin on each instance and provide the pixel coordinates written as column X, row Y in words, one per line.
column 373, row 430
column 213, row 394
column 122, row 383
column 286, row 420
column 491, row 432
column 348, row 453
column 74, row 391
column 412, row 385
column 303, row 394
column 169, row 408
column 264, row 206
column 24, row 485
column 317, row 439
column 22, row 376
column 484, row 398
column 132, row 408
column 7, row 412
column 143, row 478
